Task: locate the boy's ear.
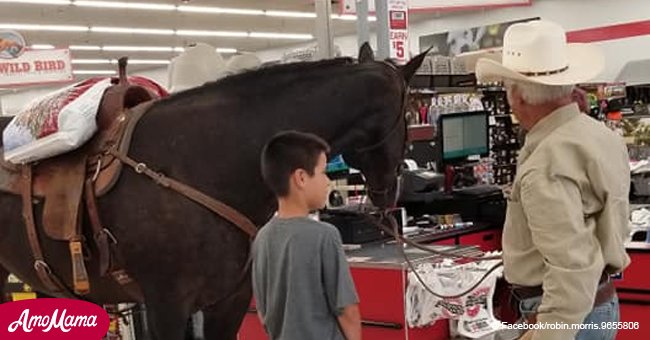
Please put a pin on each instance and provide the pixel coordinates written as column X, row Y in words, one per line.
column 298, row 178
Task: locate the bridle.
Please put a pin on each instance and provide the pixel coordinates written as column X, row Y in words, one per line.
column 396, row 124
column 393, row 231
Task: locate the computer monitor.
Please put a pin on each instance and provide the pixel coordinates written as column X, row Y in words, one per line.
column 462, row 135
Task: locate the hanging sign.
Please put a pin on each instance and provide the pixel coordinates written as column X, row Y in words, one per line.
column 20, row 66
column 398, row 30
column 349, row 6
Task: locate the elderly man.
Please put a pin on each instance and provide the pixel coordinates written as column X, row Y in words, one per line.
column 568, row 210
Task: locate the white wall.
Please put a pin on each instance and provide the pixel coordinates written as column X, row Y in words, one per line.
column 572, row 14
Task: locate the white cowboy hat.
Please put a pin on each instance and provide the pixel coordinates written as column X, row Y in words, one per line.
column 537, row 52
column 194, row 67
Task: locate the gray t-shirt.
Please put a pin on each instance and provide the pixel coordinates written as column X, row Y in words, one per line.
column 301, row 279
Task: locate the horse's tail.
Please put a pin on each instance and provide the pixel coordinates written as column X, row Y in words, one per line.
column 4, row 274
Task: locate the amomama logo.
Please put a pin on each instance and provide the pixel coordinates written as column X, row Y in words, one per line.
column 52, row 319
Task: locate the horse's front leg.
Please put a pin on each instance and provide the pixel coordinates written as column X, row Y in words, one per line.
column 223, row 319
column 167, row 312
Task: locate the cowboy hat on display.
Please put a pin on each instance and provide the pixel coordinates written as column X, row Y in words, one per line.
column 538, row 52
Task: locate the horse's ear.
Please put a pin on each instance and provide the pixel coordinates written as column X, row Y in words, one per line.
column 365, row 53
column 413, row 65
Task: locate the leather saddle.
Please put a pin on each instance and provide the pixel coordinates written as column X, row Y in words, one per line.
column 65, row 180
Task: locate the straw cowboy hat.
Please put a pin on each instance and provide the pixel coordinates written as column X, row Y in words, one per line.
column 538, row 52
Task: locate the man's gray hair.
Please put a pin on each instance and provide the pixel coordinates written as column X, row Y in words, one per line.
column 536, row 94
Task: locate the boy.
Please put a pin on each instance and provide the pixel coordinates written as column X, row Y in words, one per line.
column 301, row 278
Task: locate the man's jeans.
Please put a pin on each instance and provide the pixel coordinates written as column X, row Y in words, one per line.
column 606, row 312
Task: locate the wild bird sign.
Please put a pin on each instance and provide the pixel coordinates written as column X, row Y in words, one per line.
column 20, row 66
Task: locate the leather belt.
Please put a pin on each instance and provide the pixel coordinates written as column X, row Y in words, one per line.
column 605, row 292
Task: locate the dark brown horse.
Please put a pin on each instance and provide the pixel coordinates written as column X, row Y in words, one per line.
column 184, row 257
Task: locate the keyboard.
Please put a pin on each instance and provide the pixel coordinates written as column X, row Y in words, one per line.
column 478, row 190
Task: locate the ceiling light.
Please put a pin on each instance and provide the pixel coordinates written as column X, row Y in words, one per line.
column 290, row 36
column 132, row 30
column 84, row 48
column 41, row 47
column 350, row 17
column 91, row 61
column 212, row 33
column 31, row 27
column 184, row 8
column 220, row 10
column 107, row 72
column 226, row 50
column 137, row 48
column 115, row 48
column 155, row 31
column 127, row 5
column 289, row 14
column 144, row 61
column 38, row 2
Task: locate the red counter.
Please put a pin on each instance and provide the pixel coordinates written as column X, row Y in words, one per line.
column 381, row 292
column 634, row 292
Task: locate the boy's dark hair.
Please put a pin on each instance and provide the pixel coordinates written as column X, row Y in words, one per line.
column 285, row 153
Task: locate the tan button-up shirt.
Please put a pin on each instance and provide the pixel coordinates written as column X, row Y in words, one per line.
column 567, row 216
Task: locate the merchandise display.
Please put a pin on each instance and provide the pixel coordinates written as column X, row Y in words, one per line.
column 504, row 134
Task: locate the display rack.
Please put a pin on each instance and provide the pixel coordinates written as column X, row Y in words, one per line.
column 504, row 134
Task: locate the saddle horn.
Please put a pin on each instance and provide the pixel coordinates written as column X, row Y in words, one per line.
column 121, row 64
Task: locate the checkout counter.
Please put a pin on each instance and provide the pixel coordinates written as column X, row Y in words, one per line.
column 633, row 290
column 380, row 275
column 380, row 272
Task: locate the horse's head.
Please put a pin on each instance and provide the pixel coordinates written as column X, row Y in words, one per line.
column 382, row 152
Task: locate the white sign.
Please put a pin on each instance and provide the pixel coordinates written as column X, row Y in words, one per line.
column 349, row 6
column 398, row 30
column 35, row 67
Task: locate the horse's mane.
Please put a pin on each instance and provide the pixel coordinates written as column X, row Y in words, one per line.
column 271, row 73
column 265, row 77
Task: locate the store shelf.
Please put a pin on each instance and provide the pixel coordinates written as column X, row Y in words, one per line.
column 443, row 90
column 510, row 146
column 418, row 133
column 492, row 89
column 636, row 116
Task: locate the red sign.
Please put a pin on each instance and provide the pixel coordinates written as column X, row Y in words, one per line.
column 34, row 67
column 398, row 30
column 46, row 319
column 397, row 20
